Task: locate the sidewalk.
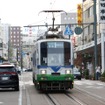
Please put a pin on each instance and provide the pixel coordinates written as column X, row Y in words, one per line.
column 98, row 81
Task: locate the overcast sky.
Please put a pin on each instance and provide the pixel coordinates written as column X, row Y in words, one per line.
column 25, row 12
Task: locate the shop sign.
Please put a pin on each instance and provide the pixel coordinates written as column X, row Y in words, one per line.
column 102, row 11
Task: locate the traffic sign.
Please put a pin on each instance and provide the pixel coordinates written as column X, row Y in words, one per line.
column 68, row 31
column 23, row 54
column 78, row 30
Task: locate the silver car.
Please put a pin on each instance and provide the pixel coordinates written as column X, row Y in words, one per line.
column 77, row 74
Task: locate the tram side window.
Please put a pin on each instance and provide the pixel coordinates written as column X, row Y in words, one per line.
column 67, row 53
column 44, row 53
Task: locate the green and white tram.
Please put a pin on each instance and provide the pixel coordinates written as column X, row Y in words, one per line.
column 52, row 64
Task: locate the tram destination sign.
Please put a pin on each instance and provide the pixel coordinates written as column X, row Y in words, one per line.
column 102, row 11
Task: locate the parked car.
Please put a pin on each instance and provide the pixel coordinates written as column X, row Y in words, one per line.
column 28, row 70
column 77, row 74
column 19, row 70
column 8, row 76
column 24, row 69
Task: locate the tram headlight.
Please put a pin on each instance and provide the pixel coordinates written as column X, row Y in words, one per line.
column 43, row 71
column 67, row 72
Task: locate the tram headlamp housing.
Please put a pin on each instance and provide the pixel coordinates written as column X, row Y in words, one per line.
column 43, row 71
column 68, row 72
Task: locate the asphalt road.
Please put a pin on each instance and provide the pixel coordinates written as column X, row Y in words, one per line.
column 28, row 95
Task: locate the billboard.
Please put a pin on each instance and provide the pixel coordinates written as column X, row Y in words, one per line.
column 79, row 14
column 103, row 50
column 30, row 31
column 102, row 11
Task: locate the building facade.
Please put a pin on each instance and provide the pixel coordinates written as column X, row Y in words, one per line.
column 68, row 19
column 4, row 38
column 15, row 40
column 86, row 52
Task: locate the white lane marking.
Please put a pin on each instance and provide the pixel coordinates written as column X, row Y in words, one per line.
column 28, row 98
column 89, row 86
column 20, row 96
column 20, row 93
column 26, row 90
column 29, row 83
column 101, row 84
column 22, row 84
column 1, row 102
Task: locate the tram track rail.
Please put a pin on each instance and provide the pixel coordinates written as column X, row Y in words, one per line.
column 71, row 99
column 91, row 96
column 75, row 99
column 51, row 99
column 77, row 96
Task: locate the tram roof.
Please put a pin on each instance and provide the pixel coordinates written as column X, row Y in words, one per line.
column 55, row 39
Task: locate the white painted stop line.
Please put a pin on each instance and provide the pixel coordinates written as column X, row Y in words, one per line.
column 1, row 102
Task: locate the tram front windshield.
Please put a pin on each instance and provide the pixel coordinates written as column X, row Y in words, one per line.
column 55, row 53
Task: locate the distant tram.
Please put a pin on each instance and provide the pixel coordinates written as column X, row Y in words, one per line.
column 52, row 63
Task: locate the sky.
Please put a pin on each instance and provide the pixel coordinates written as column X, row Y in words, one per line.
column 27, row 12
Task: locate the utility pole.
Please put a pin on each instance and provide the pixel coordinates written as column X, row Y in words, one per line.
column 21, row 55
column 17, row 54
column 95, row 37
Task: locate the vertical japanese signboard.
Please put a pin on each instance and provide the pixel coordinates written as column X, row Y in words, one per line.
column 103, row 50
column 102, row 11
column 79, row 14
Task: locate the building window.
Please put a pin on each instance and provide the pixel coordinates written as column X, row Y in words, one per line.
column 91, row 29
column 17, row 32
column 86, row 31
column 18, row 40
column 65, row 18
column 90, row 12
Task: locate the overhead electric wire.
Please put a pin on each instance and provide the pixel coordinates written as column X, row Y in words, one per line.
column 47, row 18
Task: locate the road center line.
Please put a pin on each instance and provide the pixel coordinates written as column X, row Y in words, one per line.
column 20, row 94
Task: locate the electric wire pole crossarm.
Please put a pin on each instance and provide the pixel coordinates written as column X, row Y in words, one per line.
column 57, row 25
